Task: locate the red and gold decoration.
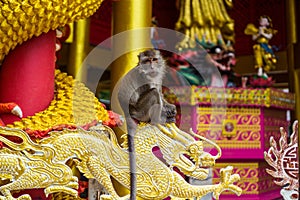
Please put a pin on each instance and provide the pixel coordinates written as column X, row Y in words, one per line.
column 241, row 122
column 264, row 56
column 54, row 131
column 254, row 179
column 265, row 97
column 27, row 74
column 73, row 105
column 65, row 127
column 10, row 108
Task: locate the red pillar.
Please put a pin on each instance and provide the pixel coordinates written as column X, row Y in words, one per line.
column 27, row 76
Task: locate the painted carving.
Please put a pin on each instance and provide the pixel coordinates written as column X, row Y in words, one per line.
column 284, row 160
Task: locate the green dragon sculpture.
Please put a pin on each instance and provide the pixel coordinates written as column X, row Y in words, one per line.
column 98, row 155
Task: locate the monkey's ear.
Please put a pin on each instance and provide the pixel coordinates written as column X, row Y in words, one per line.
column 139, row 57
column 157, row 52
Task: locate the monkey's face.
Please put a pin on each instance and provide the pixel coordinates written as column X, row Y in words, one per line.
column 151, row 64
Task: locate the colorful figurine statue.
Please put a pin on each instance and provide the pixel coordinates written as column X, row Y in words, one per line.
column 222, row 56
column 224, row 59
column 209, row 25
column 265, row 59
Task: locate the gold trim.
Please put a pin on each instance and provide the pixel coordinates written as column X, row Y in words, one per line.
column 218, row 97
column 239, row 144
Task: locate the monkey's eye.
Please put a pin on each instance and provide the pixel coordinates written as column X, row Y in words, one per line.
column 147, row 61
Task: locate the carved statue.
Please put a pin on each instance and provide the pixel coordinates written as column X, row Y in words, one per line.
column 98, row 155
column 265, row 59
column 285, row 163
column 10, row 108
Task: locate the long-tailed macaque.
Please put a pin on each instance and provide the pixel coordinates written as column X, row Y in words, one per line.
column 140, row 96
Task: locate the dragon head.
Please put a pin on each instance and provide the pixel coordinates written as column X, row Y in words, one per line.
column 188, row 154
column 20, row 20
column 194, row 161
column 196, row 153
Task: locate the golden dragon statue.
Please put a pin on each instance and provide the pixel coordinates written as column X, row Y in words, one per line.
column 37, row 150
column 98, row 155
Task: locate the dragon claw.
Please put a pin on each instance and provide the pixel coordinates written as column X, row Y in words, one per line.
column 24, row 197
column 226, row 182
column 106, row 197
column 10, row 197
column 54, row 189
column 17, row 111
column 12, row 108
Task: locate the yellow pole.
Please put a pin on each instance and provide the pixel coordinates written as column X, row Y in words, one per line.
column 129, row 16
column 131, row 35
column 79, row 50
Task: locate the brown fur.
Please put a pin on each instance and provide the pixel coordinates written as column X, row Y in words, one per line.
column 140, row 96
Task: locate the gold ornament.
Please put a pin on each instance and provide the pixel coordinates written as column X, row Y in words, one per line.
column 206, row 20
column 73, row 104
column 20, row 20
column 98, row 155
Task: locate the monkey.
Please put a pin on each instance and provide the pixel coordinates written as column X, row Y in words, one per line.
column 140, row 92
column 141, row 99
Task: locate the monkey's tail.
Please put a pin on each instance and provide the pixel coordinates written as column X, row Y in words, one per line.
column 131, row 128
